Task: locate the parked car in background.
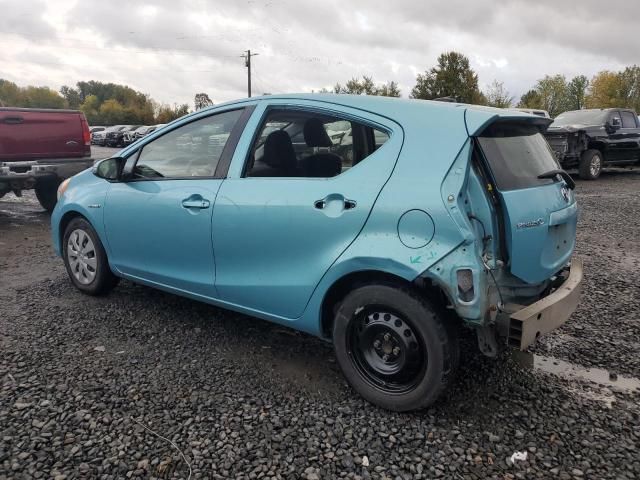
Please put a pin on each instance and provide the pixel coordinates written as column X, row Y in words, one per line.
column 137, row 134
column 100, row 137
column 95, row 130
column 442, row 215
column 115, row 138
column 533, row 111
column 592, row 139
column 130, row 136
column 39, row 148
column 152, row 129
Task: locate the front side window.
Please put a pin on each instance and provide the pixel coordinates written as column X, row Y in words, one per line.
column 192, row 150
column 628, row 120
column 301, row 143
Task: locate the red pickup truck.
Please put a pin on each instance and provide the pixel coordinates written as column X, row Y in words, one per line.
column 39, row 148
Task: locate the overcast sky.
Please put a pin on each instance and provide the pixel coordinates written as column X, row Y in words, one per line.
column 173, row 49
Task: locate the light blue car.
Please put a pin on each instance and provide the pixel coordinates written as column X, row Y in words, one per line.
column 433, row 216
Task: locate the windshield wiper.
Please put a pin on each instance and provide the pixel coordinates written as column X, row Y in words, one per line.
column 563, row 173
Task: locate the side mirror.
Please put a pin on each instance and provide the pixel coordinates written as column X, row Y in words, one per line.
column 109, row 168
column 612, row 125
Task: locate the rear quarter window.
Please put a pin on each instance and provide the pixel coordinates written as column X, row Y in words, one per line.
column 517, row 154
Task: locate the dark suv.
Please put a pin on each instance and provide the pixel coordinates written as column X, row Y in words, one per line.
column 115, row 138
column 593, row 139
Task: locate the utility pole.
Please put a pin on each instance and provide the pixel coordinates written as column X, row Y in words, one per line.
column 247, row 63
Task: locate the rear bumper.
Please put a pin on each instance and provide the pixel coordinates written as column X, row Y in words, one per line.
column 22, row 174
column 523, row 325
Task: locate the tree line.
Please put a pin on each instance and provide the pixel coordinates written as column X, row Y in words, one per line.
column 102, row 103
column 453, row 77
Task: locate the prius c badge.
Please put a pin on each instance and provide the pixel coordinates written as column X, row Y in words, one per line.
column 530, row 224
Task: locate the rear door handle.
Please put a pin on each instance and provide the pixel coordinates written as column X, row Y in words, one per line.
column 349, row 204
column 195, row 201
column 323, row 202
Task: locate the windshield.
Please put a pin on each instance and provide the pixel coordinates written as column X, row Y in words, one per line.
column 581, row 117
column 517, row 154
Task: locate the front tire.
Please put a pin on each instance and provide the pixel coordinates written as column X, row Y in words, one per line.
column 85, row 259
column 393, row 347
column 590, row 166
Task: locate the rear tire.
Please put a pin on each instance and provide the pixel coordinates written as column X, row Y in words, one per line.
column 85, row 259
column 47, row 192
column 590, row 164
column 394, row 347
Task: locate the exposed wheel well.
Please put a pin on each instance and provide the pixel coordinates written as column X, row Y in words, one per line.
column 349, row 282
column 66, row 219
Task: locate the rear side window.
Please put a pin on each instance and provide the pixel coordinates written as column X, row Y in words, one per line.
column 310, row 144
column 628, row 120
column 517, row 154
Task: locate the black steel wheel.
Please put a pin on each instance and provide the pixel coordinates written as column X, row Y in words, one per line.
column 394, row 347
column 386, row 350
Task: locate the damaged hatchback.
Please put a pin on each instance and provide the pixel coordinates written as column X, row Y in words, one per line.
column 382, row 225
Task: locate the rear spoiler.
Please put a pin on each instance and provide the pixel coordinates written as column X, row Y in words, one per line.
column 479, row 118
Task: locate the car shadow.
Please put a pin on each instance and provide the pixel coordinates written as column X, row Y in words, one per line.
column 296, row 362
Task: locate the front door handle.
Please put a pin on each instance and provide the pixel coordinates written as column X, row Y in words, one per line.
column 196, row 201
column 13, row 120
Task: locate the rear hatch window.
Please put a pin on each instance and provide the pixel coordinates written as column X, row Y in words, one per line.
column 517, row 154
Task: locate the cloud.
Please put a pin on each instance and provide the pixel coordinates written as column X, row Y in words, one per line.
column 172, row 50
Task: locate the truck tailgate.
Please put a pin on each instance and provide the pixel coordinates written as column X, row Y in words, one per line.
column 29, row 134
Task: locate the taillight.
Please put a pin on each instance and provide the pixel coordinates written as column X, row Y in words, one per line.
column 86, row 133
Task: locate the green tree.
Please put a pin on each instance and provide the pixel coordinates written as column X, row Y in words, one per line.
column 71, row 96
column 451, row 77
column 166, row 113
column 630, row 87
column 498, row 96
column 202, row 100
column 91, row 109
column 10, row 94
column 531, row 99
column 605, row 90
column 389, row 89
column 366, row 86
column 576, row 92
column 42, row 97
column 112, row 112
column 553, row 93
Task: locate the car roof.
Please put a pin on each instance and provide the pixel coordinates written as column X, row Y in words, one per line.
column 399, row 109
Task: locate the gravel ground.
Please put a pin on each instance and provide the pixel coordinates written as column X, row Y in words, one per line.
column 88, row 386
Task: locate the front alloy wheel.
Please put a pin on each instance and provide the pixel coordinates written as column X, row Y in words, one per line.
column 81, row 255
column 590, row 166
column 85, row 259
